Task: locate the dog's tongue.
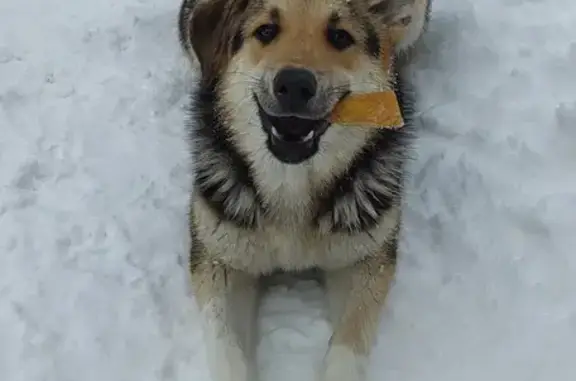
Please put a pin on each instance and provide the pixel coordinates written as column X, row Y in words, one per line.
column 378, row 109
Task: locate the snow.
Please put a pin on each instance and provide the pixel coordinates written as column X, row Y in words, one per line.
column 94, row 185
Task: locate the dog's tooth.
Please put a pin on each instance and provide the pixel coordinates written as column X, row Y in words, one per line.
column 275, row 132
column 309, row 136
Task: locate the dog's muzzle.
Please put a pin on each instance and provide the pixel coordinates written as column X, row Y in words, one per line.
column 295, row 116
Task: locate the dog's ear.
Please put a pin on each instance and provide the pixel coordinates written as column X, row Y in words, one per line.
column 405, row 19
column 215, row 32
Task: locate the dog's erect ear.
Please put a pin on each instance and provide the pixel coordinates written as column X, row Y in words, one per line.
column 405, row 19
column 215, row 32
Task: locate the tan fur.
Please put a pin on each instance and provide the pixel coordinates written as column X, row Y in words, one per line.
column 366, row 287
column 290, row 246
column 228, row 259
column 302, row 41
column 226, row 294
column 412, row 21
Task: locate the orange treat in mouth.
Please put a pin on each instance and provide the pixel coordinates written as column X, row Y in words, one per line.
column 379, row 110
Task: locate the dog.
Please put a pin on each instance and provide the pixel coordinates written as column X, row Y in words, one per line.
column 277, row 186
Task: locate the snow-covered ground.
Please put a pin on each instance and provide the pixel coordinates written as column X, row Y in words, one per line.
column 94, row 175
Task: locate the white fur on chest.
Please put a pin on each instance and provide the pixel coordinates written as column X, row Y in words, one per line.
column 289, row 188
column 287, row 246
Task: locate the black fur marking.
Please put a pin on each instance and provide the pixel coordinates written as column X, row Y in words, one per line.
column 237, row 42
column 243, row 5
column 344, row 188
column 183, row 18
column 197, row 250
column 210, row 137
column 213, row 30
column 391, row 246
column 238, row 39
column 333, row 20
column 372, row 42
column 382, row 7
column 388, row 149
column 275, row 15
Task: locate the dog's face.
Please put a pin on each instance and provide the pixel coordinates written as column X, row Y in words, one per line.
column 282, row 65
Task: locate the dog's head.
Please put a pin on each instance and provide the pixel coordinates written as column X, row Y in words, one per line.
column 281, row 66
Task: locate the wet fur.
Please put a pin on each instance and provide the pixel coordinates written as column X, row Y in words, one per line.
column 252, row 215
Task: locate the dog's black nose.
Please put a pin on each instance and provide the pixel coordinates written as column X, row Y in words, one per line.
column 294, row 87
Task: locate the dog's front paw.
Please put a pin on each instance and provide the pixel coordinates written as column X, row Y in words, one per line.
column 342, row 364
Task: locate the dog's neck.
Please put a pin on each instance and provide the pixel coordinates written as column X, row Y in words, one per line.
column 346, row 186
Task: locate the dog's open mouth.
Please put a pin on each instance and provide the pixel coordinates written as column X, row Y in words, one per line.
column 292, row 139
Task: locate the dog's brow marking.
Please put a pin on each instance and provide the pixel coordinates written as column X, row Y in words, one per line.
column 275, row 15
column 334, row 18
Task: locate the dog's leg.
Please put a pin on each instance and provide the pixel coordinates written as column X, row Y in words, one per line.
column 228, row 301
column 356, row 297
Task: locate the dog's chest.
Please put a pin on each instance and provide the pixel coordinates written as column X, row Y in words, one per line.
column 276, row 248
column 288, row 246
column 290, row 224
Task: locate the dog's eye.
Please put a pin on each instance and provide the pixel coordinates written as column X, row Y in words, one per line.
column 339, row 38
column 267, row 33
